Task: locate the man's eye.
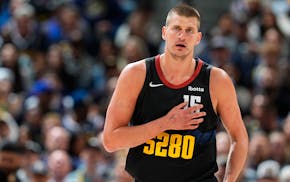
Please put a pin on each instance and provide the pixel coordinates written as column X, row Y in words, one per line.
column 189, row 31
column 176, row 28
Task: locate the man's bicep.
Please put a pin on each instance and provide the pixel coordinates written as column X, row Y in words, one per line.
column 227, row 103
column 120, row 108
column 124, row 98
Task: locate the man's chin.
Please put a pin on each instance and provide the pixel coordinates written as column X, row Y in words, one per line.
column 180, row 55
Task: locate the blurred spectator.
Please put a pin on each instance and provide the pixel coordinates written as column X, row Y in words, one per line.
column 9, row 100
column 283, row 18
column 47, row 90
column 32, row 151
column 55, row 93
column 270, row 56
column 268, row 22
column 270, row 76
column 139, row 23
column 284, row 175
column 286, row 131
column 39, row 64
column 278, row 147
column 32, row 118
column 133, row 50
column 95, row 117
column 77, row 144
column 105, row 17
column 223, row 148
column 273, row 36
column 49, row 121
column 55, row 63
column 263, row 115
column 119, row 172
column 24, row 134
column 66, row 25
column 31, row 154
column 59, row 166
column 38, row 172
column 220, row 53
column 20, row 65
column 220, row 56
column 222, row 163
column 268, row 171
column 89, row 170
column 79, row 62
column 245, row 54
column 22, row 29
column 258, row 152
column 4, row 13
column 45, row 8
column 267, row 82
column 57, row 138
column 252, row 12
column 76, row 120
column 8, row 127
column 7, row 80
column 70, row 119
column 106, row 161
column 225, row 29
column 108, row 56
column 11, row 159
column 110, row 87
column 223, row 143
column 282, row 100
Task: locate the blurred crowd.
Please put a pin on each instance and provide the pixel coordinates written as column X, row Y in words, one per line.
column 60, row 59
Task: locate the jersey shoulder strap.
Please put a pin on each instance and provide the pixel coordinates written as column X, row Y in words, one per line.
column 150, row 64
column 150, row 68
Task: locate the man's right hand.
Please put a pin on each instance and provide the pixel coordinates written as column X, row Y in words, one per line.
column 181, row 117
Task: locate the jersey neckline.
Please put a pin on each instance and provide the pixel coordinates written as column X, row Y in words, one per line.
column 170, row 85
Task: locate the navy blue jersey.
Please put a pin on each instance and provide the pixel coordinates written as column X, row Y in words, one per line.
column 174, row 156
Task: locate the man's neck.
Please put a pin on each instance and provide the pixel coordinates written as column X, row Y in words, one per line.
column 177, row 69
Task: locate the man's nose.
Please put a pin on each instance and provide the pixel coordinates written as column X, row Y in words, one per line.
column 181, row 34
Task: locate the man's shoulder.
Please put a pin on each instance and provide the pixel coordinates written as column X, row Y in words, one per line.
column 133, row 73
column 220, row 80
column 218, row 73
column 135, row 67
column 141, row 63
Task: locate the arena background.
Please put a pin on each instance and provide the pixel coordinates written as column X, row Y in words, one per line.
column 60, row 59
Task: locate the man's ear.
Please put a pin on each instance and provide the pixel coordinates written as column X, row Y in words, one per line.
column 163, row 32
column 198, row 38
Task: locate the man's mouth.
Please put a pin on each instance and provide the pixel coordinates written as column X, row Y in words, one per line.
column 180, row 45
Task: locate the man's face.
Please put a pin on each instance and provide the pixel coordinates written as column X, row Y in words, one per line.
column 9, row 161
column 181, row 35
column 4, row 130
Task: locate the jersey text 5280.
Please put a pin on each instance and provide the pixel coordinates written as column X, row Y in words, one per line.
column 171, row 145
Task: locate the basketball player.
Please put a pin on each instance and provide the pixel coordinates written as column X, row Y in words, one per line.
column 166, row 109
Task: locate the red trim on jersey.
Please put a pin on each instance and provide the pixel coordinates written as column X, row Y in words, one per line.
column 163, row 79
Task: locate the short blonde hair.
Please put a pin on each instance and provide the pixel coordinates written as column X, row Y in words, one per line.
column 184, row 10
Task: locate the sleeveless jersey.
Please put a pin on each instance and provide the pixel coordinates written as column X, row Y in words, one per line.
column 174, row 155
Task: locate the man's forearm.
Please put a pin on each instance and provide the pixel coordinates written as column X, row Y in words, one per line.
column 130, row 136
column 236, row 161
